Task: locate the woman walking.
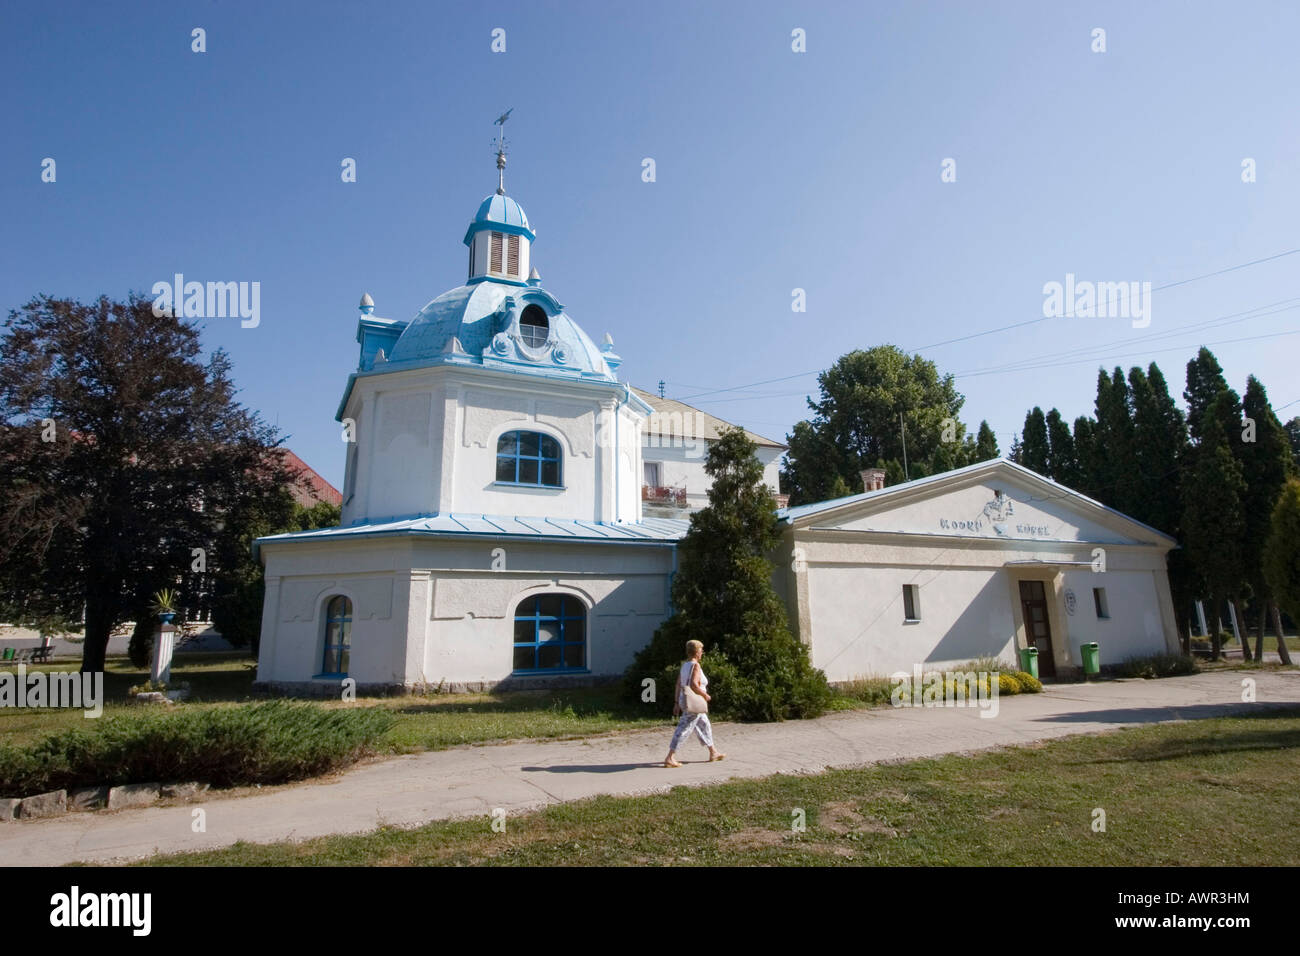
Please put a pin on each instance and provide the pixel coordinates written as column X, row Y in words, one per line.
column 691, row 676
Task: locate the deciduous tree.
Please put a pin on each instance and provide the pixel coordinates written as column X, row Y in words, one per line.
column 122, row 449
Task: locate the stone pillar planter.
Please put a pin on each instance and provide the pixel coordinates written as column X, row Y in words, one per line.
column 163, row 645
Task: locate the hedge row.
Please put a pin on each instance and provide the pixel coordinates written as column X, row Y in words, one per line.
column 269, row 742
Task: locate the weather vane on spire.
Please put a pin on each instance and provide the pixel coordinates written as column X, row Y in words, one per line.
column 501, row 151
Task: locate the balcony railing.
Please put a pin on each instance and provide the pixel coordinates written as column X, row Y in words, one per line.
column 664, row 495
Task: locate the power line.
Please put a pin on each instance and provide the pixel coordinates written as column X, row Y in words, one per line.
column 1161, row 288
column 1004, row 328
column 1089, row 361
column 1228, row 319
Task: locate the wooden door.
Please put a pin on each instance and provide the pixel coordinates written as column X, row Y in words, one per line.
column 1033, row 603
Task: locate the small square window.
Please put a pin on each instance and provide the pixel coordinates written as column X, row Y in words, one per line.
column 1099, row 601
column 911, row 602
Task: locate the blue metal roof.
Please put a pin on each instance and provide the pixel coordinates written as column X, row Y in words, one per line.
column 663, row 530
column 481, row 317
column 502, row 214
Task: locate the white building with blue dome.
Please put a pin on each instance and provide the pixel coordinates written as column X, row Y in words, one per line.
column 492, row 527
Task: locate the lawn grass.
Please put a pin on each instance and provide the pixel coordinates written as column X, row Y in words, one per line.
column 1215, row 792
column 430, row 722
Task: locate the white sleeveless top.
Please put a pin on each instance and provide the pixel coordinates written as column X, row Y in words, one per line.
column 685, row 678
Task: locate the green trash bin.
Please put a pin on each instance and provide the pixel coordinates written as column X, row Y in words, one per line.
column 1029, row 660
column 9, row 654
column 1091, row 659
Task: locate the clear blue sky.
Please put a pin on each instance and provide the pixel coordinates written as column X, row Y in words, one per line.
column 775, row 170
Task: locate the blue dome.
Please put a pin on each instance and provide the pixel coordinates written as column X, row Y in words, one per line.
column 502, row 214
column 479, row 325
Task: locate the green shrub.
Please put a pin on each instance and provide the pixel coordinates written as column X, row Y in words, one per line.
column 1029, row 684
column 1157, row 665
column 722, row 595
column 776, row 683
column 270, row 742
column 1007, row 685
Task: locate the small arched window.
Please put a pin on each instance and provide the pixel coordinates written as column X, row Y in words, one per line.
column 528, row 458
column 338, row 636
column 550, row 634
column 534, row 326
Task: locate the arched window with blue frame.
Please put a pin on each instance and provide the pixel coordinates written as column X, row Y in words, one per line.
column 550, row 634
column 529, row 458
column 338, row 636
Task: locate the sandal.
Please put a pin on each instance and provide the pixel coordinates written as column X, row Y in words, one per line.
column 713, row 757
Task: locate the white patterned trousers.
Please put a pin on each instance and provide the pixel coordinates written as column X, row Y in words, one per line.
column 696, row 722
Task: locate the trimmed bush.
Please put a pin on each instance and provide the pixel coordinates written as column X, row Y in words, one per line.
column 1157, row 665
column 1029, row 684
column 1007, row 685
column 270, row 742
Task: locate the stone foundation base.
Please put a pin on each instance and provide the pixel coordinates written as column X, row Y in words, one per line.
column 334, row 689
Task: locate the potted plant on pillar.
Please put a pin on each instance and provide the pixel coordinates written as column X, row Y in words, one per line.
column 164, row 605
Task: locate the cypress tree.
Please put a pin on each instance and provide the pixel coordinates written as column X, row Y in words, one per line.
column 1034, row 452
column 1160, row 456
column 1265, row 466
column 1213, row 518
column 986, row 445
column 1062, row 461
column 1282, row 559
column 1205, row 383
column 1113, row 442
column 1084, row 452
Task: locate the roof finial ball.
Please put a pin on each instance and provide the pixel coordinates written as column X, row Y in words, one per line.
column 367, row 304
column 501, row 151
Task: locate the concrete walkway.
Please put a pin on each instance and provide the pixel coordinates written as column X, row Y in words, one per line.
column 474, row 780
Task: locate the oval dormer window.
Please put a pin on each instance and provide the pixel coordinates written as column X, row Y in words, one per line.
column 534, row 327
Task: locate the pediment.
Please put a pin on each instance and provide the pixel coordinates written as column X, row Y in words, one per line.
column 993, row 500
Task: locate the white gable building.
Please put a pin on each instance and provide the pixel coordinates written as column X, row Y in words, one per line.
column 984, row 560
column 494, row 530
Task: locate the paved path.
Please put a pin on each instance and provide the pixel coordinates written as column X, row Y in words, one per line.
column 523, row 776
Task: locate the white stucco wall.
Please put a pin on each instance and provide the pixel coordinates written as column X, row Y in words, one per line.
column 427, row 611
column 426, row 443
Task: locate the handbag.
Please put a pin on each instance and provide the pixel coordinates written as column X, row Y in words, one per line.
column 695, row 704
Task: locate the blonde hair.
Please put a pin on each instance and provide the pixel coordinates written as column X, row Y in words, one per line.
column 692, row 647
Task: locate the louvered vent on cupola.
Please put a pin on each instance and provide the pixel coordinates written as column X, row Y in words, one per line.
column 512, row 257
column 494, row 260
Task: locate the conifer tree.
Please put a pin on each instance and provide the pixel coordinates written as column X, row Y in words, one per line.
column 986, row 444
column 722, row 595
column 1034, row 451
column 1281, row 559
column 1265, row 456
column 1113, row 443
column 1062, row 461
column 1213, row 519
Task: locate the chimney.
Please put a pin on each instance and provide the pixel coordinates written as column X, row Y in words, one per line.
column 873, row 479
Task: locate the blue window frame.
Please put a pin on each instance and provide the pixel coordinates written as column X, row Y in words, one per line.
column 528, row 458
column 550, row 634
column 338, row 636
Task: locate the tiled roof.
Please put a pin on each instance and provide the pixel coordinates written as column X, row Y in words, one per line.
column 707, row 426
column 311, row 488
